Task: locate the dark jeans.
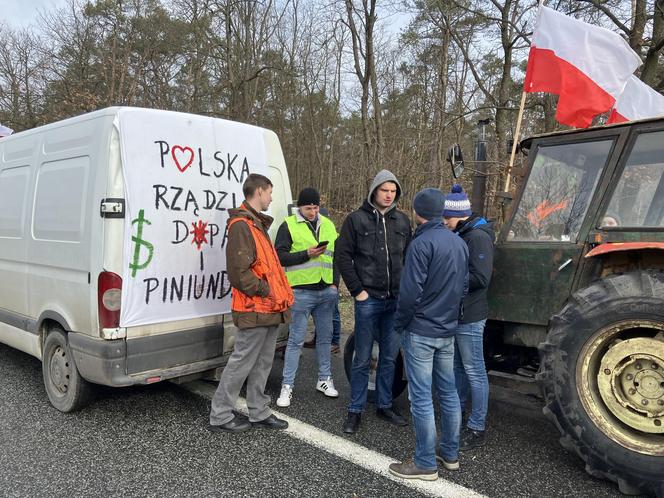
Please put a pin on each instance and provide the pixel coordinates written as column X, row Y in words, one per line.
column 374, row 320
column 336, row 323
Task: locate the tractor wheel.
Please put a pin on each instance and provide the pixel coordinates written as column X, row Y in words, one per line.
column 602, row 371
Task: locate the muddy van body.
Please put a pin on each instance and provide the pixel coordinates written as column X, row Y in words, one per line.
column 62, row 256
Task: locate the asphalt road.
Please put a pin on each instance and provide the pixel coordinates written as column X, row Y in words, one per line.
column 153, row 441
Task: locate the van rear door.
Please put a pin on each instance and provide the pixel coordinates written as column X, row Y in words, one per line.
column 178, row 346
column 161, row 346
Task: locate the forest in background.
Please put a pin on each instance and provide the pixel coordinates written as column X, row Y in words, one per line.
column 346, row 93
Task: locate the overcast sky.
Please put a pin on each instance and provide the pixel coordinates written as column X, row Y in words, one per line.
column 20, row 13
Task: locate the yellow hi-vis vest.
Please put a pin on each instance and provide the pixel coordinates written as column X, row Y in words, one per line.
column 317, row 269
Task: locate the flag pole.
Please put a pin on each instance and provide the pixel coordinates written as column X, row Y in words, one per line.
column 517, row 131
column 515, row 140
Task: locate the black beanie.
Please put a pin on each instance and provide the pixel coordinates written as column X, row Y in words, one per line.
column 308, row 196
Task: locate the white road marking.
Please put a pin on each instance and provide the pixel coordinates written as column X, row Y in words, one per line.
column 348, row 450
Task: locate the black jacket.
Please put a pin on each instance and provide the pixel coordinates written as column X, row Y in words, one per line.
column 371, row 247
column 478, row 235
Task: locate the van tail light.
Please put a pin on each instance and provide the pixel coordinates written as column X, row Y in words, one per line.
column 109, row 293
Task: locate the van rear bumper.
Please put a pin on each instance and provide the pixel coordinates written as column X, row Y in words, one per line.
column 125, row 362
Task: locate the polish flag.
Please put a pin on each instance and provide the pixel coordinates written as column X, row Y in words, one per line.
column 5, row 132
column 587, row 66
column 638, row 101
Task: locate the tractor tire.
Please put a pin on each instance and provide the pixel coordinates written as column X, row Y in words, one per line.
column 602, row 373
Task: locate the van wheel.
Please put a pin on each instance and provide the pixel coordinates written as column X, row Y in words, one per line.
column 399, row 383
column 602, row 371
column 67, row 390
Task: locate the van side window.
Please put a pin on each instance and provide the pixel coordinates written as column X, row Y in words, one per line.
column 13, row 187
column 60, row 199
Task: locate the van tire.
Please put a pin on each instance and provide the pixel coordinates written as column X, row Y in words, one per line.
column 66, row 389
column 398, row 385
column 591, row 314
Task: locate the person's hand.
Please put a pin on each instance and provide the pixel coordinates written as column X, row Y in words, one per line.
column 362, row 296
column 314, row 252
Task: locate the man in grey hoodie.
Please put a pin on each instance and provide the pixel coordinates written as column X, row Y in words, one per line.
column 370, row 254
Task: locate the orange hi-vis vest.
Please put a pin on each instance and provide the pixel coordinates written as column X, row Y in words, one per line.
column 266, row 267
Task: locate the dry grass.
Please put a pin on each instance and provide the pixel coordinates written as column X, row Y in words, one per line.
column 347, row 312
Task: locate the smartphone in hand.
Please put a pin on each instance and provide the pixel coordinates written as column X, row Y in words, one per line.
column 322, row 243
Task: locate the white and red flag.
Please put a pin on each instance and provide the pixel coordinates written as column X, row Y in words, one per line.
column 638, row 101
column 5, row 132
column 587, row 66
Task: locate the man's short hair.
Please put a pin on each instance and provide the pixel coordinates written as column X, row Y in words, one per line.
column 253, row 182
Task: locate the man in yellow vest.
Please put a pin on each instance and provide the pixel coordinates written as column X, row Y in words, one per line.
column 305, row 246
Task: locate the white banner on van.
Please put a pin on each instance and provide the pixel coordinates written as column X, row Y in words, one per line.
column 182, row 173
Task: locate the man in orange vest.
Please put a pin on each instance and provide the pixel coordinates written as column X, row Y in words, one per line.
column 261, row 301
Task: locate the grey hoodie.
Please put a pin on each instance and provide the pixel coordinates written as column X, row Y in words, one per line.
column 381, row 177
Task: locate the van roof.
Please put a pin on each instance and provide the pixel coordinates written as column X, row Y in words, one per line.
column 108, row 111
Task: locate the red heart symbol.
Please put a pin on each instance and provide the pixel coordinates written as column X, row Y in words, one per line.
column 188, row 150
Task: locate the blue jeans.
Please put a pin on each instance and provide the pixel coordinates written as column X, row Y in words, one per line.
column 470, row 371
column 374, row 320
column 336, row 324
column 319, row 304
column 431, row 360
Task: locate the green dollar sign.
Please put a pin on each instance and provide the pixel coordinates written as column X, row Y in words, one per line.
column 140, row 242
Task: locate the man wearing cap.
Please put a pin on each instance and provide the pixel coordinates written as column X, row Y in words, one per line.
column 305, row 245
column 433, row 283
column 370, row 254
column 469, row 368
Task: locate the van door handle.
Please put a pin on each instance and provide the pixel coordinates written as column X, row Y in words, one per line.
column 565, row 264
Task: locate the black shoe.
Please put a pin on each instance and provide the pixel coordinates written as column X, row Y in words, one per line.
column 271, row 422
column 471, row 439
column 236, row 424
column 352, row 422
column 392, row 416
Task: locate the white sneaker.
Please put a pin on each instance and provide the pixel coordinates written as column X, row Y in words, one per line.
column 285, row 396
column 326, row 386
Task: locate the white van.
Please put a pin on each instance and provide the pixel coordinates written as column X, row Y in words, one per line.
column 63, row 227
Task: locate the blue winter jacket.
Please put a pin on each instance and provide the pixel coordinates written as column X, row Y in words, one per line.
column 434, row 281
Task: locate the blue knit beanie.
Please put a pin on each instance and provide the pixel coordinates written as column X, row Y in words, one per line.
column 428, row 203
column 457, row 204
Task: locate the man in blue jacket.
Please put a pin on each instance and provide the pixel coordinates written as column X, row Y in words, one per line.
column 469, row 368
column 433, row 283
